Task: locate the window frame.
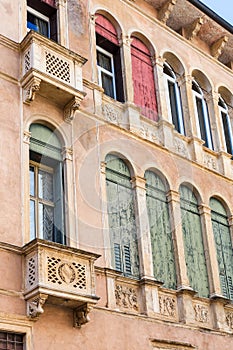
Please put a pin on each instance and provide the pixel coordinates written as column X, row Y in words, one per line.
column 203, row 113
column 178, row 103
column 40, row 16
column 223, row 110
column 105, row 71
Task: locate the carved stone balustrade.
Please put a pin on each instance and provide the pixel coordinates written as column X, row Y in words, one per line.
column 52, row 71
column 59, row 275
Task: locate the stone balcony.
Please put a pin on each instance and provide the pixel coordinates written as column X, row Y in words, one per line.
column 52, row 71
column 59, row 275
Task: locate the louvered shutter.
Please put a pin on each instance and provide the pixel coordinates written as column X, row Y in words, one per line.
column 143, row 79
column 223, row 247
column 121, row 217
column 160, row 231
column 193, row 242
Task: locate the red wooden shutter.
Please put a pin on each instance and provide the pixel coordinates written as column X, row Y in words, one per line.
column 106, row 29
column 143, row 79
column 50, row 2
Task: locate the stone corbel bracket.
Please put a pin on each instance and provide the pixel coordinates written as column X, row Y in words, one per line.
column 165, row 10
column 81, row 316
column 191, row 30
column 218, row 46
column 30, row 90
column 35, row 306
column 71, row 108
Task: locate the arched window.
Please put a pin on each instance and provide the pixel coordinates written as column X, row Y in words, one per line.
column 173, row 98
column 108, row 58
column 223, row 247
column 226, row 125
column 193, row 242
column 202, row 115
column 46, row 185
column 160, row 230
column 143, row 79
column 121, row 217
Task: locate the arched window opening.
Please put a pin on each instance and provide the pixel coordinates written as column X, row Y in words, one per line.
column 226, row 125
column 223, row 245
column 173, row 98
column 202, row 115
column 108, row 59
column 143, row 79
column 160, row 231
column 121, row 217
column 46, row 185
column 193, row 242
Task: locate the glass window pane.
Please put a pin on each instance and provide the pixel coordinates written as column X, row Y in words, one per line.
column 32, row 181
column 38, row 24
column 104, row 61
column 32, row 220
column 46, row 222
column 45, row 185
column 107, row 84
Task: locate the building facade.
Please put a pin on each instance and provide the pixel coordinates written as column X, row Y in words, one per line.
column 116, row 215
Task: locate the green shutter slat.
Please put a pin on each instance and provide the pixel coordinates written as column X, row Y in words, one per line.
column 223, row 245
column 193, row 242
column 160, row 231
column 121, row 216
column 117, row 252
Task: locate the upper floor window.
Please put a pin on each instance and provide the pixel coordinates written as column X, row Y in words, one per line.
column 42, row 17
column 193, row 242
column 121, row 217
column 226, row 125
column 46, row 185
column 173, row 98
column 223, row 245
column 202, row 115
column 108, row 59
column 143, row 79
column 160, row 230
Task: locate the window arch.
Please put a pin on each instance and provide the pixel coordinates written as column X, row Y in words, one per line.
column 143, row 79
column 160, row 230
column 108, row 58
column 46, row 185
column 193, row 242
column 226, row 125
column 223, row 245
column 173, row 98
column 202, row 115
column 121, row 216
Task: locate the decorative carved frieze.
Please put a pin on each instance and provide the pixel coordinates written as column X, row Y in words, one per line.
column 26, row 137
column 126, row 297
column 210, row 162
column 180, row 148
column 167, row 305
column 218, row 46
column 35, row 306
column 201, row 313
column 110, row 113
column 229, row 319
column 166, row 9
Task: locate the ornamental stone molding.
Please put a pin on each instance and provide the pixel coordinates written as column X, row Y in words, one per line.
column 126, row 297
column 35, row 306
column 110, row 113
column 229, row 319
column 81, row 316
column 30, row 90
column 165, row 11
column 167, row 305
column 201, row 313
column 210, row 162
column 71, row 108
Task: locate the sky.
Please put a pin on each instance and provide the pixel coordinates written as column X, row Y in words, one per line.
column 223, row 8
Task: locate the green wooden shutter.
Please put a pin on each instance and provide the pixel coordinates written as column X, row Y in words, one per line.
column 223, row 247
column 160, row 231
column 121, row 216
column 58, row 205
column 193, row 242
